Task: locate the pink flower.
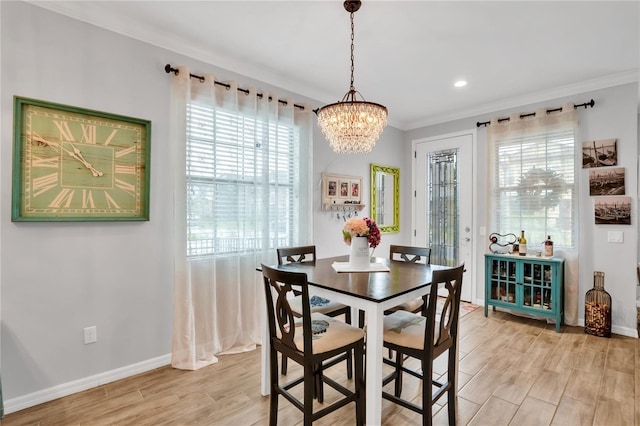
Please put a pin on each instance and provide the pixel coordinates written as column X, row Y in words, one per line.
column 365, row 227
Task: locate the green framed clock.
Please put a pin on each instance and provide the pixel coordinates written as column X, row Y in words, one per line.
column 75, row 164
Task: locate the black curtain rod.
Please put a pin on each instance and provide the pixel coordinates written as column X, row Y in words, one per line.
column 591, row 103
column 169, row 69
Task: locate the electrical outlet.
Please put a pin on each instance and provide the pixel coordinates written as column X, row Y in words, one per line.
column 90, row 335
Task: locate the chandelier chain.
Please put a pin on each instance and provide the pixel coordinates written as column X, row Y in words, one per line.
column 352, row 54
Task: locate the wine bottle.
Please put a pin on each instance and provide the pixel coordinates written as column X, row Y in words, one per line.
column 523, row 244
column 548, row 247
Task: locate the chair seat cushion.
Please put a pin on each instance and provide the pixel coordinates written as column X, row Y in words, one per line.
column 411, row 305
column 336, row 334
column 318, row 304
column 406, row 329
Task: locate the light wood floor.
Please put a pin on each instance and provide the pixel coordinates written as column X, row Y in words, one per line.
column 512, row 371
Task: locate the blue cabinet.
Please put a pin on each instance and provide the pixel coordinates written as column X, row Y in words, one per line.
column 528, row 284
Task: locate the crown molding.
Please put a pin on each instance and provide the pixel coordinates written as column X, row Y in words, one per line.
column 630, row 76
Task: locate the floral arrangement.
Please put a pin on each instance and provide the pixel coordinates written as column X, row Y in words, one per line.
column 365, row 227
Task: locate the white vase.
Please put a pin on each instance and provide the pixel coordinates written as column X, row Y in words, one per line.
column 359, row 256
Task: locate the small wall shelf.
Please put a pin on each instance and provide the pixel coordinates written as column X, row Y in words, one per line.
column 342, row 207
column 341, row 193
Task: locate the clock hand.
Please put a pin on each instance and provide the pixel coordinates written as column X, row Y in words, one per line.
column 76, row 154
column 88, row 165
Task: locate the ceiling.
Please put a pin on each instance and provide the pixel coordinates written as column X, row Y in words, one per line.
column 408, row 54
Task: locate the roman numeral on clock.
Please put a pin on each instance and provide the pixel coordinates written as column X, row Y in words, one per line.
column 51, row 162
column 64, row 197
column 88, row 133
column 65, row 131
column 44, row 183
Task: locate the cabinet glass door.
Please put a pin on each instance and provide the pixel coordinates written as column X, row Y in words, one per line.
column 536, row 283
column 503, row 281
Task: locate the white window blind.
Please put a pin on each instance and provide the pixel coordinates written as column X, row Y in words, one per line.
column 535, row 187
column 240, row 182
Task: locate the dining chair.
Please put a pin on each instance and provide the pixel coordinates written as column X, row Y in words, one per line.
column 426, row 337
column 413, row 255
column 310, row 341
column 303, row 254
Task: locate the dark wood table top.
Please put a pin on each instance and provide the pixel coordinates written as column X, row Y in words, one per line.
column 375, row 286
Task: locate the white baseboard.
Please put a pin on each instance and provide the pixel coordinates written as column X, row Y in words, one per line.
column 615, row 329
column 65, row 389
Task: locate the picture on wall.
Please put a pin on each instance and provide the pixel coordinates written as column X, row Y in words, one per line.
column 599, row 153
column 344, row 189
column 355, row 189
column 606, row 181
column 332, row 188
column 612, row 211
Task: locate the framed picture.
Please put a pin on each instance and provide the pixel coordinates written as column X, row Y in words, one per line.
column 354, row 193
column 599, row 153
column 75, row 164
column 333, row 188
column 612, row 210
column 606, row 181
column 344, row 189
column 341, row 190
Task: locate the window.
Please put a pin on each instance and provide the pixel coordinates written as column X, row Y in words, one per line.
column 535, row 186
column 240, row 183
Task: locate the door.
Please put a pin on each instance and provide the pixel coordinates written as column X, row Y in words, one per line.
column 444, row 202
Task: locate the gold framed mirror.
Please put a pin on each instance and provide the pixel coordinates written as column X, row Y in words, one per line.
column 385, row 197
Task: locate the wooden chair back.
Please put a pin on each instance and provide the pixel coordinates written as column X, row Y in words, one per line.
column 442, row 328
column 410, row 254
column 298, row 254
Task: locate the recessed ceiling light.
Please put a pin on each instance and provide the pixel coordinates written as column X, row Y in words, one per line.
column 460, row 83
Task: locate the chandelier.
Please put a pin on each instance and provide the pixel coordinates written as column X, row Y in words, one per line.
column 352, row 126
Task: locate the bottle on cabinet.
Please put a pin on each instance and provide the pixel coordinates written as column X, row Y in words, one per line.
column 548, row 247
column 523, row 244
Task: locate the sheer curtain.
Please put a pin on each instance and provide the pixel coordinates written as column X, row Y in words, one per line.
column 533, row 185
column 241, row 172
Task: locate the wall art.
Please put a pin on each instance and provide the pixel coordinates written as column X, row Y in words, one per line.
column 606, row 181
column 612, row 210
column 599, row 153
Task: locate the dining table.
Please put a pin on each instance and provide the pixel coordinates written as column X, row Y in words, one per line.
column 385, row 284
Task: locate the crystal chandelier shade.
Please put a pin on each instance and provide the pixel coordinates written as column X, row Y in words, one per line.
column 352, row 126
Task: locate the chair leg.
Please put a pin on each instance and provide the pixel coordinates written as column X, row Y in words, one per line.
column 319, row 391
column 427, row 391
column 283, row 369
column 347, row 317
column 273, row 394
column 452, row 400
column 398, row 381
column 310, row 383
column 360, row 386
column 273, row 408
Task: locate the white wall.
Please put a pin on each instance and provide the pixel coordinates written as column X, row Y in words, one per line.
column 327, row 227
column 614, row 116
column 57, row 278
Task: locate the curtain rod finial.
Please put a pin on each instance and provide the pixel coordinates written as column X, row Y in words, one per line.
column 169, row 69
